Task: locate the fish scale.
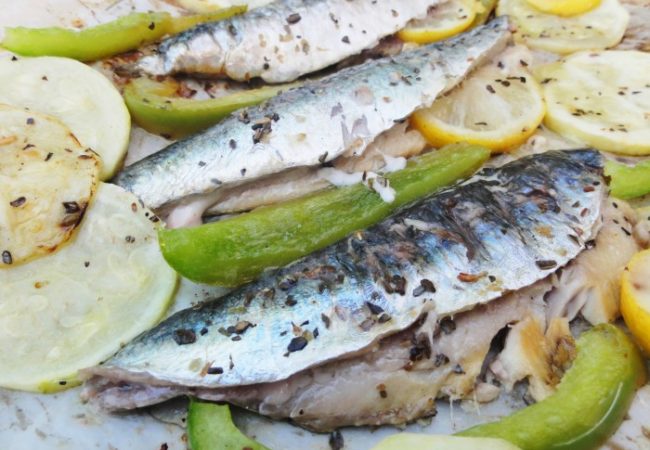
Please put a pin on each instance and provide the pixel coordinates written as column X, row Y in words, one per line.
column 309, row 125
column 502, row 230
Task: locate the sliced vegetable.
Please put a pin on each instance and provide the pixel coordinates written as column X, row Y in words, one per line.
column 564, row 7
column 635, row 298
column 410, row 441
column 589, row 404
column 76, row 307
column 600, row 28
column 47, row 181
column 233, row 251
column 628, row 181
column 446, row 20
column 101, row 41
column 156, row 108
column 90, row 44
column 499, row 108
column 601, row 99
column 210, row 427
column 79, row 96
column 483, row 11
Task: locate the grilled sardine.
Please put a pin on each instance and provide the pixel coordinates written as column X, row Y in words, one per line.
column 500, row 231
column 283, row 40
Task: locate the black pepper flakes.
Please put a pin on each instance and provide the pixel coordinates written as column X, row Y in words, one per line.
column 297, row 344
column 336, row 440
column 184, row 336
column 374, row 309
column 20, row 201
column 447, row 325
column 326, row 320
column 440, row 360
column 546, row 264
column 215, row 371
column 71, row 207
column 293, row 18
column 7, row 258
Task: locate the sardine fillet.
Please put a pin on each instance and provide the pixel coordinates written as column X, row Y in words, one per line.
column 313, row 124
column 285, row 39
column 498, row 232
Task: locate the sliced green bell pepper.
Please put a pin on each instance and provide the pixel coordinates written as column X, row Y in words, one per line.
column 236, row 250
column 210, row 427
column 156, row 108
column 589, row 404
column 112, row 38
column 628, row 181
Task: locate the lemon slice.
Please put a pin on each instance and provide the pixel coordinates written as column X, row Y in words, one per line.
column 81, row 97
column 47, row 180
column 499, row 109
column 74, row 308
column 564, row 7
column 443, row 21
column 601, row 99
column 635, row 298
column 600, row 28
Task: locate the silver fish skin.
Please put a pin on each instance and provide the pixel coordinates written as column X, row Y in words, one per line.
column 310, row 125
column 284, row 39
column 500, row 231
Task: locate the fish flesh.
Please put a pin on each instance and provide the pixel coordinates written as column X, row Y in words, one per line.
column 284, row 40
column 308, row 126
column 500, row 231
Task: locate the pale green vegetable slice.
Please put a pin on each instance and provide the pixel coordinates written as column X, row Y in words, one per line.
column 46, row 182
column 76, row 307
column 601, row 99
column 404, row 441
column 78, row 95
column 600, row 28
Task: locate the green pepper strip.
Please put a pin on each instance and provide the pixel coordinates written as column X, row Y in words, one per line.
column 112, row 38
column 154, row 106
column 236, row 250
column 589, row 404
column 210, row 427
column 628, row 181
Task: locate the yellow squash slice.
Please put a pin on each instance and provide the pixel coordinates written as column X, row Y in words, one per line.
column 76, row 307
column 79, row 96
column 47, row 179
